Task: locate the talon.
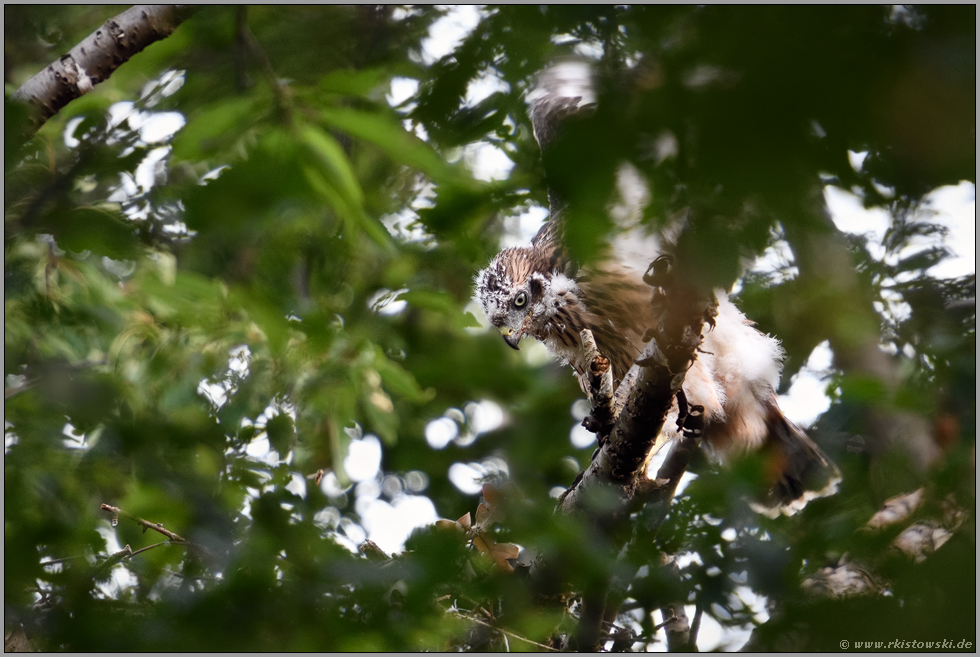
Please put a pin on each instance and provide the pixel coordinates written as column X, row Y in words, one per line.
column 694, row 422
column 599, row 366
column 658, row 270
column 709, row 316
column 682, row 409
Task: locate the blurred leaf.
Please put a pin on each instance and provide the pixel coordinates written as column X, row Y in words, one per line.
column 100, row 229
column 401, row 382
column 440, row 302
column 333, row 164
column 352, row 82
column 215, row 128
column 390, row 136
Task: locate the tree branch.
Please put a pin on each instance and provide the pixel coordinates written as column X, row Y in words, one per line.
column 676, row 628
column 157, row 527
column 95, row 58
column 280, row 90
column 620, row 462
column 175, row 538
column 463, row 616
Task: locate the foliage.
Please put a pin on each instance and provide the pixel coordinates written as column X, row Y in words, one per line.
column 292, row 269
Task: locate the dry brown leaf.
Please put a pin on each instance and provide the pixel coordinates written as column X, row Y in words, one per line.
column 444, row 524
column 482, row 515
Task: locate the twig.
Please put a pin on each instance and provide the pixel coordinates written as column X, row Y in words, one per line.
column 155, row 526
column 61, row 560
column 503, row 631
column 280, row 90
column 696, row 625
column 622, row 637
column 660, row 626
column 114, row 559
column 148, row 547
column 16, row 390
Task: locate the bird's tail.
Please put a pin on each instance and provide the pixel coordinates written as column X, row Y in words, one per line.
column 801, row 470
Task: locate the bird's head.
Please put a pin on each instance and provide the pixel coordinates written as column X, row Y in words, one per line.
column 518, row 293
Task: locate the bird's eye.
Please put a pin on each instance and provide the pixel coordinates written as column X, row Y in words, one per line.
column 521, row 299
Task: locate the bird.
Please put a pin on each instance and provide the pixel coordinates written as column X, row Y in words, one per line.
column 536, row 291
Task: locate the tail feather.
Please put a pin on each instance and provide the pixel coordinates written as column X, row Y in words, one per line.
column 801, row 470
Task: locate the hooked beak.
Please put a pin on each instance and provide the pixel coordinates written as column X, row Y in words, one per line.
column 511, row 336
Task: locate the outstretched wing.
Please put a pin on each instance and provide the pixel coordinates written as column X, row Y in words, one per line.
column 562, row 91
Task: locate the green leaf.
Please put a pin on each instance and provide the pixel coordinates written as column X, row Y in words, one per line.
column 440, row 302
column 215, row 127
column 103, row 230
column 353, row 82
column 333, row 178
column 400, row 381
column 280, row 431
column 388, row 134
column 334, row 164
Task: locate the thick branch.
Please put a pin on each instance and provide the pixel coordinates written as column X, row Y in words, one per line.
column 621, row 460
column 619, row 465
column 95, row 58
column 659, row 492
column 676, row 627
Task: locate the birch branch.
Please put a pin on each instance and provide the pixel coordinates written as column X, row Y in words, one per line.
column 97, row 56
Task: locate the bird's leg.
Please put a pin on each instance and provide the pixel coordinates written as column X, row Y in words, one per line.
column 681, row 409
column 597, row 382
column 694, row 422
column 690, row 417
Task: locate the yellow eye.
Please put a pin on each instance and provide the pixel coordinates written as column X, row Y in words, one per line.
column 521, row 299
